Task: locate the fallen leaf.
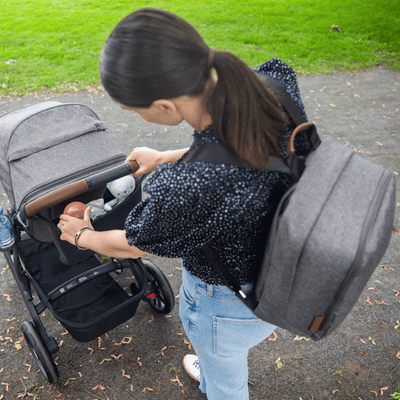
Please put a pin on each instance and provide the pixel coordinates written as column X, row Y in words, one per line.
column 116, row 357
column 188, row 344
column 375, row 393
column 6, row 385
column 177, row 380
column 398, row 355
column 372, row 341
column 397, row 293
column 379, row 143
column 301, row 338
column 147, row 388
column 274, row 338
column 395, row 230
column 125, row 375
column 140, row 364
column 69, row 379
column 4, row 269
column 125, row 340
column 162, row 350
column 383, row 266
column 151, row 319
column 104, row 360
column 7, row 296
column 278, row 363
column 383, row 389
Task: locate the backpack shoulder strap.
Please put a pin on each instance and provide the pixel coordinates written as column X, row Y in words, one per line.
column 226, row 276
column 217, row 153
column 284, row 97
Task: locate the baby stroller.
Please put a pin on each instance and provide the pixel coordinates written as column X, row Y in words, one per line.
column 53, row 153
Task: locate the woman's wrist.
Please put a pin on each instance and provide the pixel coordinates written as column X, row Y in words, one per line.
column 82, row 240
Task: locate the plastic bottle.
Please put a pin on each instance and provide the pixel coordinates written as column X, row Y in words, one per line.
column 6, row 234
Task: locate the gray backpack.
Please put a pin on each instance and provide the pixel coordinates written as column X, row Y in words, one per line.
column 328, row 235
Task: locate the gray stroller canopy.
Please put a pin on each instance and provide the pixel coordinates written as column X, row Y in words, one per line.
column 48, row 145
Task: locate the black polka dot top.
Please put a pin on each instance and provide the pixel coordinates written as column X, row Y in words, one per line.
column 225, row 206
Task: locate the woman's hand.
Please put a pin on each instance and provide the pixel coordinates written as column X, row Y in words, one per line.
column 70, row 226
column 148, row 159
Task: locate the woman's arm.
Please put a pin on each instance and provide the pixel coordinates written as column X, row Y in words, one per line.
column 109, row 243
column 149, row 159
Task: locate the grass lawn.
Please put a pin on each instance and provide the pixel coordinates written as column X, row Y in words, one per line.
column 55, row 44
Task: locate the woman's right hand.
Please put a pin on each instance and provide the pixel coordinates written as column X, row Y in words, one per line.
column 148, row 160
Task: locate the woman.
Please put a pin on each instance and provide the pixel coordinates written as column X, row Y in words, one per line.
column 157, row 65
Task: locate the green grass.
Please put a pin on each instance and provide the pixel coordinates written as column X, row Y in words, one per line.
column 57, row 43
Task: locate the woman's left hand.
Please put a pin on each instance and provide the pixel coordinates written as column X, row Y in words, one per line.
column 70, row 226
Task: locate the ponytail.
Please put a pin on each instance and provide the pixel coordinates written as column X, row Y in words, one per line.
column 246, row 115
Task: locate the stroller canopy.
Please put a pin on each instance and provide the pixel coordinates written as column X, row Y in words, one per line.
column 48, row 145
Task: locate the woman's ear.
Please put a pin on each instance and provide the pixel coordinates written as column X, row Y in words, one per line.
column 165, row 106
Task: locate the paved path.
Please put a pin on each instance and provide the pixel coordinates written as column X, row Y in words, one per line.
column 361, row 360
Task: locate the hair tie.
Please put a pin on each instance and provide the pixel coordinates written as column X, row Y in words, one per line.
column 210, row 62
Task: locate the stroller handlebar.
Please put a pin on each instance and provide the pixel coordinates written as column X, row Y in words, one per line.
column 79, row 187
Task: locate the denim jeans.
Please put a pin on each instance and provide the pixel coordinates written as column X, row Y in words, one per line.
column 222, row 330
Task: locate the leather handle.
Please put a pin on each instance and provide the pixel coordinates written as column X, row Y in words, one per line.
column 300, row 128
column 79, row 187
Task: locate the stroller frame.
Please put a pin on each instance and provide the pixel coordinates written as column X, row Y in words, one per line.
column 75, row 285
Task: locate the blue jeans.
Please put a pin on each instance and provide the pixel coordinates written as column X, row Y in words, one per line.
column 222, row 330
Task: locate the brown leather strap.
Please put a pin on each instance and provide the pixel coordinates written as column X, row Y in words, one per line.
column 300, row 128
column 69, row 191
column 317, row 321
column 55, row 197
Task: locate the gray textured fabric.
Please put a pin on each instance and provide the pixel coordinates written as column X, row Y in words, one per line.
column 328, row 235
column 48, row 145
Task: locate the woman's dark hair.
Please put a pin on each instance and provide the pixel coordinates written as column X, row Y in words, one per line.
column 153, row 54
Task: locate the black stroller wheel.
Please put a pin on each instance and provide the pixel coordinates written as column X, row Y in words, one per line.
column 40, row 352
column 160, row 294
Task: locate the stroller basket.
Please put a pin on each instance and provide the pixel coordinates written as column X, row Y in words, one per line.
column 87, row 311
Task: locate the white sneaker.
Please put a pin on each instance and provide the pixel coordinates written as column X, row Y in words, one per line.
column 192, row 366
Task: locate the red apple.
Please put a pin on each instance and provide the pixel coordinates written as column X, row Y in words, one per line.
column 75, row 209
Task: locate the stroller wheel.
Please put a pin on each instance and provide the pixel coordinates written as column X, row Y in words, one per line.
column 159, row 294
column 40, row 352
